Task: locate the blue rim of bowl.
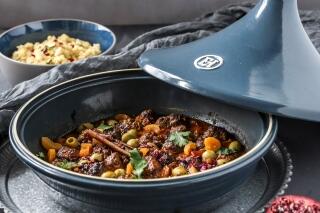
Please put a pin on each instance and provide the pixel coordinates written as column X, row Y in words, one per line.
column 60, row 19
column 50, row 170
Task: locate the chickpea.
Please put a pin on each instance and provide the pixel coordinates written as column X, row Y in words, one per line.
column 192, row 170
column 108, row 174
column 119, row 172
column 208, row 156
column 131, row 134
column 222, row 161
column 235, row 145
column 96, row 157
column 133, row 143
column 178, row 171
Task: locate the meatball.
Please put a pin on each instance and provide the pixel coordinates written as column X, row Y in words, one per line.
column 163, row 121
column 113, row 161
column 151, row 138
column 68, row 153
column 177, row 119
column 153, row 164
column 171, row 120
column 146, row 117
column 170, row 148
column 92, row 168
column 102, row 149
column 165, row 158
column 125, row 125
column 179, row 128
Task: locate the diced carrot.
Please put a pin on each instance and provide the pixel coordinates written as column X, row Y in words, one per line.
column 85, row 150
column 189, row 147
column 129, row 169
column 144, row 151
column 152, row 128
column 212, row 143
column 51, row 155
column 47, row 144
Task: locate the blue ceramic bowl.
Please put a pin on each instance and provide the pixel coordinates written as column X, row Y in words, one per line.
column 39, row 30
column 89, row 98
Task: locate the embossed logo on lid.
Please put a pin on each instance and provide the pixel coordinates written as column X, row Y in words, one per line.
column 208, row 62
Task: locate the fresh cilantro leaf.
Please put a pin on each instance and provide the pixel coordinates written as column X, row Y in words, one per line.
column 66, row 164
column 103, row 127
column 179, row 138
column 40, row 155
column 225, row 151
column 137, row 162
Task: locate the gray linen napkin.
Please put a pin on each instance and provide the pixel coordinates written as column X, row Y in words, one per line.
column 168, row 36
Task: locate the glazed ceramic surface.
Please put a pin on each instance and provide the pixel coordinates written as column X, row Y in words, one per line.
column 89, row 98
column 38, row 31
column 265, row 61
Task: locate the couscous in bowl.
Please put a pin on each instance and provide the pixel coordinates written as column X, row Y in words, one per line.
column 17, row 71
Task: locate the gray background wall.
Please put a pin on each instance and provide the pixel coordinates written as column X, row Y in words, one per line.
column 114, row 12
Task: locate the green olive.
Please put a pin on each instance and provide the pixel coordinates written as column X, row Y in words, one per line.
column 178, row 171
column 133, row 143
column 108, row 174
column 222, row 161
column 131, row 134
column 119, row 172
column 112, row 122
column 235, row 145
column 208, row 156
column 96, row 157
column 72, row 142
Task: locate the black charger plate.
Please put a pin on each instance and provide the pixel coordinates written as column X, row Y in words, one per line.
column 22, row 191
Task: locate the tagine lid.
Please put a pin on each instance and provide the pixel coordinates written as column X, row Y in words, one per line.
column 265, row 62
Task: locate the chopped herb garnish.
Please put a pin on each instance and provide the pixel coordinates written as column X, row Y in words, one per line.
column 225, row 151
column 41, row 155
column 103, row 127
column 138, row 162
column 66, row 165
column 179, row 138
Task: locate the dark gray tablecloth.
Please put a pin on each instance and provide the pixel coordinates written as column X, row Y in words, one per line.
column 172, row 35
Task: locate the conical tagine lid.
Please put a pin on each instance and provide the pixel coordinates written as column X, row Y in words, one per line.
column 265, row 61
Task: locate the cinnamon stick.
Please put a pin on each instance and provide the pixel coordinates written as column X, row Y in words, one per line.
column 102, row 139
column 118, row 142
